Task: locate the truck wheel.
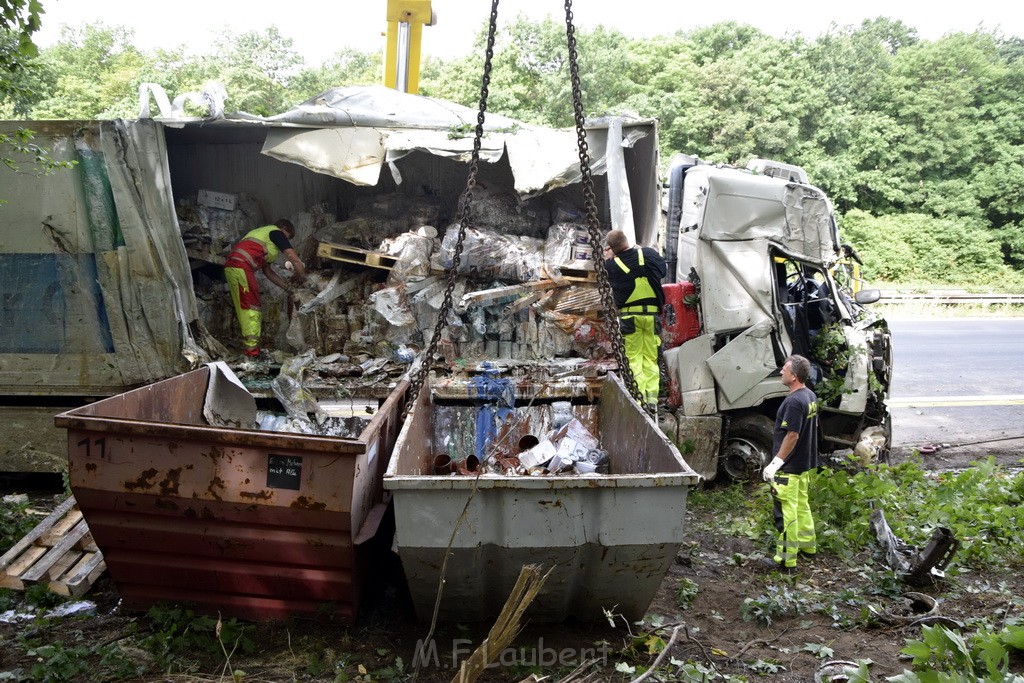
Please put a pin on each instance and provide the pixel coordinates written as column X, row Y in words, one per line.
column 748, row 447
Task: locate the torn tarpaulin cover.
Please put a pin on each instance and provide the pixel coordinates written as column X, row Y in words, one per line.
column 352, row 131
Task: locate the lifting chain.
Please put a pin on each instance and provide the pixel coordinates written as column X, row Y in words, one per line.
column 611, row 318
column 593, row 224
column 464, row 217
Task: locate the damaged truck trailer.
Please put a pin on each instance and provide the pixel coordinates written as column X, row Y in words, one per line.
column 112, row 268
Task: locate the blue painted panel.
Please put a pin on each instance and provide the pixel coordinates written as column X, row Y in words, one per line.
column 51, row 303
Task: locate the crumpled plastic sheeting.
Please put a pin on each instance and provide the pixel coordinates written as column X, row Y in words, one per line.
column 492, row 256
column 156, row 303
column 78, row 608
column 298, row 402
column 413, row 252
column 294, row 334
column 558, row 246
column 499, row 396
column 897, row 553
column 391, row 303
column 215, row 231
column 344, row 427
column 212, row 97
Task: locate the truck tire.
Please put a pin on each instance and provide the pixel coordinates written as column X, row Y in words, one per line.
column 747, row 448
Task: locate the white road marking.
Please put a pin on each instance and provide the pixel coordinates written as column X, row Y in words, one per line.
column 940, row 401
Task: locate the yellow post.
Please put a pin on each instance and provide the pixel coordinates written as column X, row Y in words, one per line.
column 406, row 19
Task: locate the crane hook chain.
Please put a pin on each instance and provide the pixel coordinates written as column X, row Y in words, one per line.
column 464, row 218
column 593, row 224
column 611, row 318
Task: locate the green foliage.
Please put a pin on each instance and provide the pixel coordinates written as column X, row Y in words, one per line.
column 835, row 355
column 57, row 663
column 944, row 654
column 819, row 650
column 19, row 19
column 14, row 524
column 178, row 631
column 912, row 247
column 686, row 593
column 980, row 505
column 42, row 597
column 728, row 499
column 777, row 602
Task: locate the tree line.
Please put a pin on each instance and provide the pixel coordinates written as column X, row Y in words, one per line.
column 919, row 143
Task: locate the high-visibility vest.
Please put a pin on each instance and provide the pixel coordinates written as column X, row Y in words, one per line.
column 642, row 289
column 260, row 247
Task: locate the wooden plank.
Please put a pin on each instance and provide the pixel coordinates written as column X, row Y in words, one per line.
column 65, row 562
column 574, row 274
column 11, row 577
column 349, row 254
column 57, row 531
column 511, row 290
column 520, row 304
column 38, row 531
column 42, row 567
column 79, row 579
column 87, row 544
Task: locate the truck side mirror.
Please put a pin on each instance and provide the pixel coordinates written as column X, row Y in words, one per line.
column 867, row 296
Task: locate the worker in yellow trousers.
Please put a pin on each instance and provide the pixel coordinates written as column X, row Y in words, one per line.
column 795, row 445
column 635, row 274
column 257, row 251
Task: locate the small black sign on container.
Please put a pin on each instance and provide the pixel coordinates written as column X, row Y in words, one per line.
column 284, row 471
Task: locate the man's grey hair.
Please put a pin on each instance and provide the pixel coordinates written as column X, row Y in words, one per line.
column 801, row 367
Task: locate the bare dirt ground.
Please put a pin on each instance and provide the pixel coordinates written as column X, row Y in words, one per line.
column 834, row 610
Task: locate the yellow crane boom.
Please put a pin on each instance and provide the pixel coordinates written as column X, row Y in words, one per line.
column 406, row 19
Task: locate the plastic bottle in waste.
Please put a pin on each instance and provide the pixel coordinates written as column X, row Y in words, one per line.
column 561, row 414
column 599, row 458
column 403, row 354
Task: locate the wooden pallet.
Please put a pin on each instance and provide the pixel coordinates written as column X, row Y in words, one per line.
column 573, row 274
column 362, row 257
column 59, row 552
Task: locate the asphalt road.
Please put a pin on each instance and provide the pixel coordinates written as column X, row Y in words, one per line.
column 958, row 381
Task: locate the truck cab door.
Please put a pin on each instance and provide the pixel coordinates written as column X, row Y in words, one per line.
column 745, row 361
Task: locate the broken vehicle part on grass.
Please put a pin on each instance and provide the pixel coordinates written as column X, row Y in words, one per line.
column 917, row 567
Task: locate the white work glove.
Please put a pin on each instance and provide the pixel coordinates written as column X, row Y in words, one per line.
column 771, row 468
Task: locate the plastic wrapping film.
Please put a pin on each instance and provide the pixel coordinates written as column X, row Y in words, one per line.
column 413, row 252
column 213, row 232
column 488, row 255
column 288, row 388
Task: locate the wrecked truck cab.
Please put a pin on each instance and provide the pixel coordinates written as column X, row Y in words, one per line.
column 760, row 250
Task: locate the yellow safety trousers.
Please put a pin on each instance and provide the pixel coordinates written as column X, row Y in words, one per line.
column 642, row 354
column 793, row 518
column 642, row 344
column 250, row 320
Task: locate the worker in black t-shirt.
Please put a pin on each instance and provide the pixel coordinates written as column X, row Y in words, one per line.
column 795, row 449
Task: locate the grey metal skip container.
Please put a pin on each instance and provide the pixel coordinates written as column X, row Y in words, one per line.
column 610, row 538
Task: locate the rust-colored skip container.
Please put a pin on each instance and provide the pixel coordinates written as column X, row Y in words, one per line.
column 257, row 525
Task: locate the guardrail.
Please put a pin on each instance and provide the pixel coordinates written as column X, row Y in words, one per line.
column 953, row 298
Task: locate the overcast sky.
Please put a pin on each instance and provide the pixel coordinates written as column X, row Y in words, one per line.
column 320, row 28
